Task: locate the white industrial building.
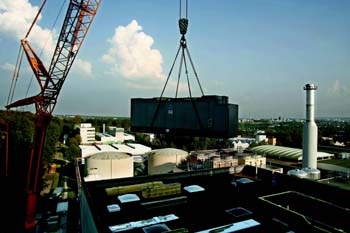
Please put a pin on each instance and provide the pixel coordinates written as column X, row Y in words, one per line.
column 252, row 160
column 87, row 133
column 119, row 134
column 116, row 132
column 114, row 135
column 105, row 138
column 260, row 136
column 128, row 137
column 241, row 143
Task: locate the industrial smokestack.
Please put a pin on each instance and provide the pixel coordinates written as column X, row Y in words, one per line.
column 310, row 130
column 309, row 169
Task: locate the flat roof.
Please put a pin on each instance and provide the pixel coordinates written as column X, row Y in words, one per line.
column 130, row 148
column 87, row 150
column 219, row 205
column 62, row 207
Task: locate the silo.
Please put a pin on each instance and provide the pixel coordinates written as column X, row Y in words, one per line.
column 312, row 173
column 109, row 165
column 165, row 160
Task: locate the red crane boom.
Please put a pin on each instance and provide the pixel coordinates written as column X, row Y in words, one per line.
column 78, row 19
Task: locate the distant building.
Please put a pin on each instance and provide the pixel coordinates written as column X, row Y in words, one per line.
column 261, row 136
column 209, row 159
column 114, row 135
column 227, row 161
column 339, row 144
column 87, row 133
column 343, row 155
column 252, row 160
column 241, row 143
column 117, row 133
column 128, row 137
column 150, row 135
column 272, row 141
column 105, row 138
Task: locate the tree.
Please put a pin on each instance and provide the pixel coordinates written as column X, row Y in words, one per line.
column 77, row 119
column 125, row 123
column 20, row 138
column 53, row 134
column 72, row 151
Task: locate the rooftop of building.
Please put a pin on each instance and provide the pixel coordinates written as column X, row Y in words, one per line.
column 215, row 200
column 131, row 148
column 286, row 152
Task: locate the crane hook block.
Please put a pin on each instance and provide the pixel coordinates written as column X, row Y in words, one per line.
column 183, row 24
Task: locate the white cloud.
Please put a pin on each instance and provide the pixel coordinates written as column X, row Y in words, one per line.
column 7, row 66
column 339, row 89
column 83, row 67
column 131, row 55
column 16, row 16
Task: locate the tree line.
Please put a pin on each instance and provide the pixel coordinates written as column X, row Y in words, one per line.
column 290, row 134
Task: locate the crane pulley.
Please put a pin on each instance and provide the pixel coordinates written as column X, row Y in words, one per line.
column 183, row 25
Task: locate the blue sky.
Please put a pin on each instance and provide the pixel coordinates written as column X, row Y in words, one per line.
column 259, row 53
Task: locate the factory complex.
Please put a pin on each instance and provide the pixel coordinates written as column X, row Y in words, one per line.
column 124, row 186
column 215, row 190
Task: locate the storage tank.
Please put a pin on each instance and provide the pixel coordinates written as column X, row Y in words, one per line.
column 109, row 165
column 165, row 160
column 297, row 173
column 312, row 173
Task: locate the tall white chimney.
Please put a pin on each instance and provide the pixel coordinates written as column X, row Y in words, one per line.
column 310, row 129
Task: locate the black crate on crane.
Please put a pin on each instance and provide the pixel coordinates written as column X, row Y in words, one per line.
column 206, row 116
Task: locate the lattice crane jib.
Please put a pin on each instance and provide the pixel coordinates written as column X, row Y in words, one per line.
column 78, row 19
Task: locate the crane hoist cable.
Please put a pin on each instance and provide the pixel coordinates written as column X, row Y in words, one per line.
column 15, row 75
column 45, row 44
column 183, row 25
column 19, row 59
